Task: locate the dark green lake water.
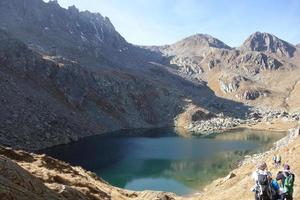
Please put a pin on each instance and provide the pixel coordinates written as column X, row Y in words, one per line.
column 161, row 160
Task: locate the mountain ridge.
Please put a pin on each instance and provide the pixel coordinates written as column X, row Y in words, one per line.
column 82, row 36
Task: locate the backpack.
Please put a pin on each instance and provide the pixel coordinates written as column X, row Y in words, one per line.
column 274, row 189
column 289, row 183
column 264, row 185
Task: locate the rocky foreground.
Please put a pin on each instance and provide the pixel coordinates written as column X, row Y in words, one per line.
column 27, row 176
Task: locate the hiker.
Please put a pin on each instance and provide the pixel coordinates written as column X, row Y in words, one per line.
column 275, row 190
column 278, row 160
column 274, row 159
column 263, row 180
column 286, row 179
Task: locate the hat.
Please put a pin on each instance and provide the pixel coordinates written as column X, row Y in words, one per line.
column 286, row 167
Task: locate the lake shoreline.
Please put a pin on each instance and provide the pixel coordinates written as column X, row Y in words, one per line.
column 140, row 155
column 237, row 186
column 238, row 182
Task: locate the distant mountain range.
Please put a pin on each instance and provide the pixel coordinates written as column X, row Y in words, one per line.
column 67, row 74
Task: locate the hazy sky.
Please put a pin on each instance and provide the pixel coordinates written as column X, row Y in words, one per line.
column 156, row 22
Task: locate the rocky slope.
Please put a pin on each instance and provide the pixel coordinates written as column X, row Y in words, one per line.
column 50, row 100
column 67, row 74
column 25, row 176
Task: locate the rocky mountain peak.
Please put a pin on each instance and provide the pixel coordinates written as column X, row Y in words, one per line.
column 54, row 2
column 266, row 42
column 195, row 45
column 73, row 10
column 203, row 40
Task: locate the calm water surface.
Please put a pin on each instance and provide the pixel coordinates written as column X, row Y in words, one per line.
column 162, row 160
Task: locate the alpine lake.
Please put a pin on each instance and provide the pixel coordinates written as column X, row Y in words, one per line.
column 160, row 159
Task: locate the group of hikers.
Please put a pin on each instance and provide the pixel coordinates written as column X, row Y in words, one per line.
column 268, row 188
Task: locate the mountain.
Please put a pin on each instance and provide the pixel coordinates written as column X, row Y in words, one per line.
column 239, row 74
column 266, row 42
column 194, row 45
column 49, row 100
column 86, row 85
column 196, row 55
column 85, row 37
column 186, row 55
column 67, row 74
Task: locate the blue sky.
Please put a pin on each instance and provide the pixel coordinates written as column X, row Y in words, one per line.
column 157, row 22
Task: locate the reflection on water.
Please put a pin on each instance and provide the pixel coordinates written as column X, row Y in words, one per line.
column 160, row 160
column 157, row 184
column 248, row 134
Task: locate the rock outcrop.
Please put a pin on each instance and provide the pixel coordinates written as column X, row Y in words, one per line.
column 187, row 65
column 230, row 84
column 253, row 94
